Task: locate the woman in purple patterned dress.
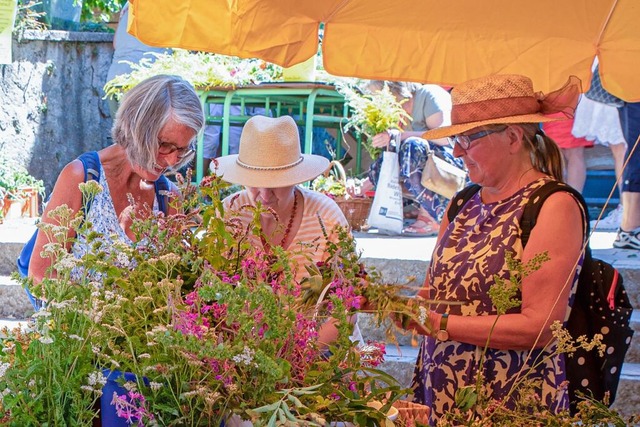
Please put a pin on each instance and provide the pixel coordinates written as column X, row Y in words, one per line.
column 496, row 132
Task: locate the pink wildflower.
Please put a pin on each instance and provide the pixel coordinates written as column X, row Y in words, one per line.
column 132, row 408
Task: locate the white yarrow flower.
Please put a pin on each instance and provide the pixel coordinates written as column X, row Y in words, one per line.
column 245, row 358
column 46, row 340
column 3, row 369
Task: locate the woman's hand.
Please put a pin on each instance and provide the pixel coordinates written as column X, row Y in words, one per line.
column 381, row 140
column 358, row 191
column 129, row 214
column 365, row 304
column 426, row 324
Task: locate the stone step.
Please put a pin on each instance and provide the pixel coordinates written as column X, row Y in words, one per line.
column 14, row 234
column 371, row 331
column 400, row 362
column 14, row 303
column 412, row 272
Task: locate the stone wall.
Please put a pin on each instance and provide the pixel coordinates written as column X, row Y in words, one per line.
column 51, row 96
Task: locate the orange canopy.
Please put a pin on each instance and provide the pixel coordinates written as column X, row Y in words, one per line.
column 435, row 41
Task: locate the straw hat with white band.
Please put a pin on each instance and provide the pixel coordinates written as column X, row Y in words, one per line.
column 270, row 156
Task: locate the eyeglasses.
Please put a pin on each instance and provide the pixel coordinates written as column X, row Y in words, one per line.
column 166, row 148
column 464, row 141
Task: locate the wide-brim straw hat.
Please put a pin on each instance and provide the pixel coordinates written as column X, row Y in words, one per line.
column 505, row 99
column 269, row 156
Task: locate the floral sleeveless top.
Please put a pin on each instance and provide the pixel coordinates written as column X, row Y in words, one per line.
column 104, row 220
column 470, row 252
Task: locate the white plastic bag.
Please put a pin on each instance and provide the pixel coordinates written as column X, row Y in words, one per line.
column 386, row 210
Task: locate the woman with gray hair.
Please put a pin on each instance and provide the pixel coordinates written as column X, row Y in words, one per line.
column 155, row 129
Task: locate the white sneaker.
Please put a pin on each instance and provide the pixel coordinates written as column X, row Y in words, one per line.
column 627, row 239
column 610, row 222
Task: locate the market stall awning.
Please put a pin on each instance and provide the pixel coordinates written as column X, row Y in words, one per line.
column 434, row 41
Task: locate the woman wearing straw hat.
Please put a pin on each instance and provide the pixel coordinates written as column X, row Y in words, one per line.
column 270, row 166
column 495, row 128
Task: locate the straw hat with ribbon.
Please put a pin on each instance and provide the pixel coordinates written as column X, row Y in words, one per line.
column 505, row 99
column 269, row 156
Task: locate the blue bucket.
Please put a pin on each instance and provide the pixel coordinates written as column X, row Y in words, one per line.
column 107, row 410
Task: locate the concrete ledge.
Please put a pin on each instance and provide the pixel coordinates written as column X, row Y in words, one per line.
column 66, row 36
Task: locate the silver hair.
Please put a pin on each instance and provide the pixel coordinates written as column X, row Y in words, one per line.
column 147, row 108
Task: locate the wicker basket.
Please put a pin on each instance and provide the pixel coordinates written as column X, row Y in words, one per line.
column 355, row 209
column 411, row 414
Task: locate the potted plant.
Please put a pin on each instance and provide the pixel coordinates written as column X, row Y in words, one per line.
column 334, row 184
column 19, row 190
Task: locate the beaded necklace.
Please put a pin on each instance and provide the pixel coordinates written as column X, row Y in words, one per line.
column 293, row 216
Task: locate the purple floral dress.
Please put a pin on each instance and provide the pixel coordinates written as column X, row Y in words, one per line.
column 471, row 251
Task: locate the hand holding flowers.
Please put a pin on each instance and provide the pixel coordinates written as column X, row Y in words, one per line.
column 372, row 114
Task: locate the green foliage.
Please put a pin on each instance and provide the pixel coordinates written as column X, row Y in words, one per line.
column 100, row 10
column 48, row 371
column 373, row 113
column 203, row 70
column 505, row 294
column 329, row 185
column 29, row 16
column 14, row 178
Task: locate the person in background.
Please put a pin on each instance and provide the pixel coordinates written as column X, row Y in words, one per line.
column 429, row 107
column 572, row 149
column 600, row 123
column 213, row 133
column 154, row 130
column 496, row 132
column 270, row 166
column 628, row 236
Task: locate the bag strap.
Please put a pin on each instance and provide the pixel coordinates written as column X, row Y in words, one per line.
column 91, row 163
column 460, row 199
column 537, row 199
column 161, row 186
column 531, row 210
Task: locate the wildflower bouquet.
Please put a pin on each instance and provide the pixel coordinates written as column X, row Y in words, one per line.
column 207, row 325
column 373, row 113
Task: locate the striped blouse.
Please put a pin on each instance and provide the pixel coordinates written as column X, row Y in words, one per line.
column 309, row 244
